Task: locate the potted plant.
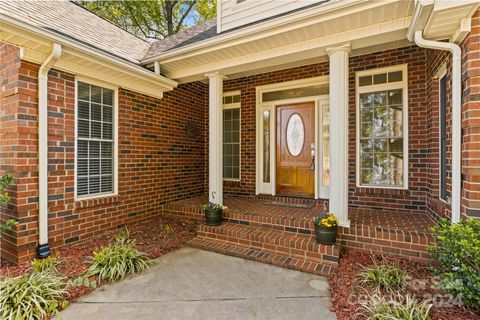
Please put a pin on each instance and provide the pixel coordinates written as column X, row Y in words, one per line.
column 213, row 213
column 326, row 226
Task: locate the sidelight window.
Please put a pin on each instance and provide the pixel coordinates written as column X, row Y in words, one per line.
column 231, row 136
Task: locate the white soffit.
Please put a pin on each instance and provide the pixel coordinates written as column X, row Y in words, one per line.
column 446, row 18
column 35, row 48
column 380, row 25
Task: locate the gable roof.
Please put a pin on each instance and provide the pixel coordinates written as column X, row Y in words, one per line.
column 197, row 33
column 71, row 20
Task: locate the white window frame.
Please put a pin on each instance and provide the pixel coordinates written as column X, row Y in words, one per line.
column 238, row 106
column 383, row 87
column 441, row 73
column 115, row 137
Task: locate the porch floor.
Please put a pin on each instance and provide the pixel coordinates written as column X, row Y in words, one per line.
column 358, row 217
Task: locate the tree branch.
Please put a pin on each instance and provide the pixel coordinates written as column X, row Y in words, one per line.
column 184, row 15
column 134, row 20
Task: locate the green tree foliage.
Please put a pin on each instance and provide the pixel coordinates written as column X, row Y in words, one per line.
column 153, row 19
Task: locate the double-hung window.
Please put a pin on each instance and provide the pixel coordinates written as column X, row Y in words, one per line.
column 382, row 150
column 95, row 144
column 231, row 136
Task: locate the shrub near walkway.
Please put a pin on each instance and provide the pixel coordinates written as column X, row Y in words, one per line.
column 154, row 238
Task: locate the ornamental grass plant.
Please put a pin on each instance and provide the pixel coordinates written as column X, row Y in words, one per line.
column 34, row 296
column 397, row 307
column 387, row 276
column 119, row 259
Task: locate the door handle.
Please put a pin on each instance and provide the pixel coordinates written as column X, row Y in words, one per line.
column 312, row 165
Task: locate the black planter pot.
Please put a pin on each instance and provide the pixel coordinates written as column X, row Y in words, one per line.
column 213, row 217
column 325, row 235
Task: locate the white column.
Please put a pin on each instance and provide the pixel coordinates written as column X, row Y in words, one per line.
column 215, row 138
column 339, row 132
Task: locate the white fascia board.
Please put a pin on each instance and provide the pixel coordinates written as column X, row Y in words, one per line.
column 96, row 72
column 134, row 70
column 328, row 11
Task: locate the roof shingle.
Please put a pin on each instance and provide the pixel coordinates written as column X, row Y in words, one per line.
column 200, row 32
column 69, row 19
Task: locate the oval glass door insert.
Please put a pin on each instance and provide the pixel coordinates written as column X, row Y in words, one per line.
column 295, row 135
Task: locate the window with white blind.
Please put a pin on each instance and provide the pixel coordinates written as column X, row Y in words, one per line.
column 95, row 140
column 231, row 136
column 382, row 146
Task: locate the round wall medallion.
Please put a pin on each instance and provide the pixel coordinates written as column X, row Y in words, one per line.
column 295, row 135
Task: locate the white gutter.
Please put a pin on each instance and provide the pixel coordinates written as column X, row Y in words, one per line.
column 43, row 247
column 456, row 52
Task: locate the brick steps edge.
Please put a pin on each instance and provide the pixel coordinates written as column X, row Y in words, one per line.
column 264, row 256
column 297, row 245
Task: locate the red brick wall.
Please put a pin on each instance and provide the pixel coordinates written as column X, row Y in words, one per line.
column 412, row 199
column 435, row 60
column 470, row 125
column 247, row 86
column 471, row 120
column 158, row 161
column 18, row 147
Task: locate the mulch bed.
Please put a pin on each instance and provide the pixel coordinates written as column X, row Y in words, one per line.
column 150, row 237
column 346, row 290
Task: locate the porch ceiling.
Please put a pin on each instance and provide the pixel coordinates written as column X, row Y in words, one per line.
column 377, row 25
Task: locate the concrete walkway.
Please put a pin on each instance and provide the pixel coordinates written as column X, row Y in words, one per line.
column 194, row 284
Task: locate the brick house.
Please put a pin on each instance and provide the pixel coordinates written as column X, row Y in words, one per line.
column 371, row 106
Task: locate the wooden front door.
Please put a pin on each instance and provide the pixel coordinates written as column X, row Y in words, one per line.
column 295, row 143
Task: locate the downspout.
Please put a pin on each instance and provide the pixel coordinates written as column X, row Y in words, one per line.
column 43, row 247
column 456, row 52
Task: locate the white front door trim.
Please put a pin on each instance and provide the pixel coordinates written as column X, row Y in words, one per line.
column 270, row 187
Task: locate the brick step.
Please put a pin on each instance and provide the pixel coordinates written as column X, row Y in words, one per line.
column 283, row 242
column 261, row 255
column 291, row 221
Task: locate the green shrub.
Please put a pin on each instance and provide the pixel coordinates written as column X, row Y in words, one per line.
column 117, row 260
column 32, row 296
column 384, row 276
column 47, row 264
column 377, row 307
column 457, row 248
